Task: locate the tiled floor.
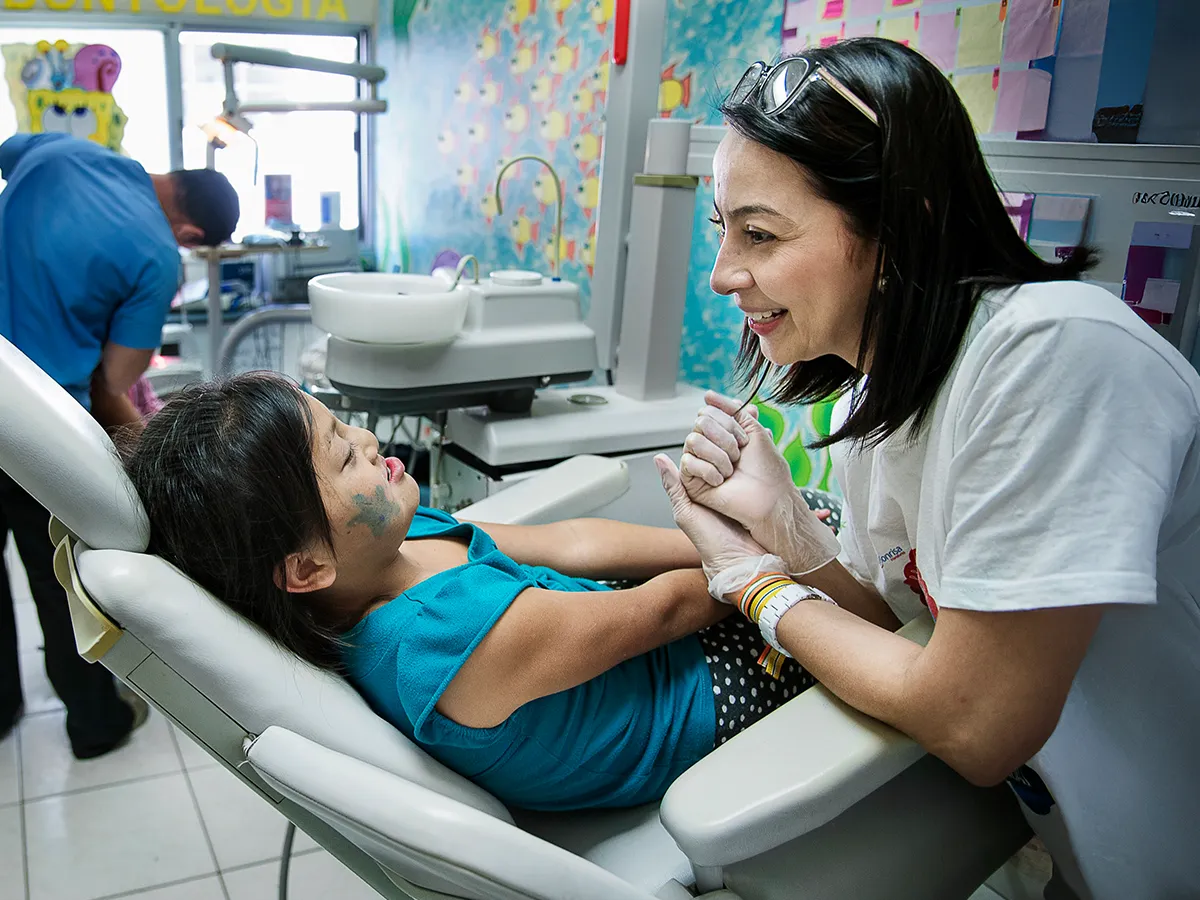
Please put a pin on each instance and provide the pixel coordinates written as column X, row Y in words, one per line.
column 156, row 820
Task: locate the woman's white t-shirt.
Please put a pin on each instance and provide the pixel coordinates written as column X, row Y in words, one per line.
column 1060, row 467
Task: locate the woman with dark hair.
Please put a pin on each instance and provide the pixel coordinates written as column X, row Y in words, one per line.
column 488, row 645
column 1017, row 450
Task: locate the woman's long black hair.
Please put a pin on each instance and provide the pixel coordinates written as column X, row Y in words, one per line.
column 226, row 475
column 918, row 187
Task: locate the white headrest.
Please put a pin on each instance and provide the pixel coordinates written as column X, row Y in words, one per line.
column 54, row 449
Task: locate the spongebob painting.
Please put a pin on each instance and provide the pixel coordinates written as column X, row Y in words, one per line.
column 63, row 88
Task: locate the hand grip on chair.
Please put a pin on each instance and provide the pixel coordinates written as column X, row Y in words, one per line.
column 797, row 769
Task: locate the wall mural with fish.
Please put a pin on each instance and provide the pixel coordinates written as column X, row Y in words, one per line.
column 476, row 82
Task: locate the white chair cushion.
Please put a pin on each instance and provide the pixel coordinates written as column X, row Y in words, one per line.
column 54, row 449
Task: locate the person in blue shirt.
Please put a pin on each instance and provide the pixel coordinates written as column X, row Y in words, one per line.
column 89, row 264
column 491, row 646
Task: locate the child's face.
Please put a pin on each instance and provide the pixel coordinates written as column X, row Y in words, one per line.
column 370, row 499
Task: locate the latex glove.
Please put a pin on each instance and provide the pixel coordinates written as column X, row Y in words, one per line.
column 731, row 465
column 722, row 543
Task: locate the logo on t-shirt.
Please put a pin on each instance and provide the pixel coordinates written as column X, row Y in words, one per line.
column 1031, row 790
column 916, row 584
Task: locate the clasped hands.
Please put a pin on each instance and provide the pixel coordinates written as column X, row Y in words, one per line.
column 733, row 496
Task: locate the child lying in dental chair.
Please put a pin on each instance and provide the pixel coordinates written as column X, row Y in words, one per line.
column 490, row 646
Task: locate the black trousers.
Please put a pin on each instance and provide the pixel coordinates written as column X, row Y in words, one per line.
column 97, row 718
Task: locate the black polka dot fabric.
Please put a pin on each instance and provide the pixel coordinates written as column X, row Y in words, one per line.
column 743, row 692
column 818, row 500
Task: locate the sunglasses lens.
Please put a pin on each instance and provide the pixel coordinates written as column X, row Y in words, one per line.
column 785, row 80
column 745, row 86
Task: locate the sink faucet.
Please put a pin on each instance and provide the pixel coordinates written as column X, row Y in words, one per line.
column 557, row 186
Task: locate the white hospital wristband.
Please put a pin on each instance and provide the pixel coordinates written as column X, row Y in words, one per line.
column 768, row 620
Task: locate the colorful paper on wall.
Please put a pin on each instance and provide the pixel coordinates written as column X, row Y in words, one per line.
column 904, row 4
column 981, row 34
column 860, row 8
column 862, row 28
column 1084, row 25
column 1022, row 102
column 1020, row 211
column 833, row 9
column 1160, row 295
column 978, row 94
column 829, row 38
column 937, row 38
column 901, row 29
column 1031, row 29
column 799, row 14
column 1171, row 235
column 1059, row 223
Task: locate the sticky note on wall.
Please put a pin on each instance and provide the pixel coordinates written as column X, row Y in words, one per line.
column 937, row 38
column 1022, row 102
column 799, row 14
column 978, row 94
column 833, row 9
column 980, row 35
column 902, row 29
column 1031, row 29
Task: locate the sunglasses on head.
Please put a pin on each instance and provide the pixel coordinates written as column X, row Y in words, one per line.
column 776, row 87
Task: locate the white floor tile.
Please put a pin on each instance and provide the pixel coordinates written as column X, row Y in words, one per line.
column 242, row 826
column 39, row 695
column 29, row 629
column 12, row 882
column 49, row 768
column 194, row 757
column 315, row 876
column 116, row 839
column 200, row 889
column 10, row 771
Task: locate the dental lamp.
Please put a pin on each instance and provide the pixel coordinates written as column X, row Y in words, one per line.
column 232, row 118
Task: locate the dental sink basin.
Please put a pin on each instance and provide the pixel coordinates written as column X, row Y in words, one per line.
column 387, row 308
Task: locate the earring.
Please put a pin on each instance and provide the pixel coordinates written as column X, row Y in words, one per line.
column 882, row 284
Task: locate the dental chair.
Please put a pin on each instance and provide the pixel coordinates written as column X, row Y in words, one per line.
column 815, row 801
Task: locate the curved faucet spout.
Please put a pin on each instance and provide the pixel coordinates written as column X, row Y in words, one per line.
column 558, row 223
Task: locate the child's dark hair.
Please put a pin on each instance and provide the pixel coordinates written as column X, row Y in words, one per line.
column 225, row 473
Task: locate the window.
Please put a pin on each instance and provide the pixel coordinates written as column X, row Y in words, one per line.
column 317, row 149
column 140, row 90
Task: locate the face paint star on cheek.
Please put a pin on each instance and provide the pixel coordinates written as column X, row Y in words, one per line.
column 376, row 512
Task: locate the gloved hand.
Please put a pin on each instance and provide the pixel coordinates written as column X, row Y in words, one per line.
column 732, row 466
column 723, row 544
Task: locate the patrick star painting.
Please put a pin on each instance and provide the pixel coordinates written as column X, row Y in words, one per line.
column 60, row 87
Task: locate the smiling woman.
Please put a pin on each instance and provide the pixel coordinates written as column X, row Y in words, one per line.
column 1006, row 469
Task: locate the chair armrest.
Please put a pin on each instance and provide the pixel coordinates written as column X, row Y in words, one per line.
column 568, row 490
column 795, row 770
column 425, row 837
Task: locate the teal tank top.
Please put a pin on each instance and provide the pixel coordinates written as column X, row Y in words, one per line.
column 617, row 740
